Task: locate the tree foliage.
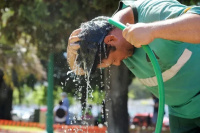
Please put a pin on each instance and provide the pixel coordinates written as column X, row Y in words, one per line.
column 189, row 2
column 30, row 30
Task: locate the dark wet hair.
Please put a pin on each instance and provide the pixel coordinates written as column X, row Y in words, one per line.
column 92, row 47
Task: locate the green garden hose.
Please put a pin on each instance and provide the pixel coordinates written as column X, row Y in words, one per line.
column 157, row 71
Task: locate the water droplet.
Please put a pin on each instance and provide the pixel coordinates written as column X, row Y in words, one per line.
column 69, row 72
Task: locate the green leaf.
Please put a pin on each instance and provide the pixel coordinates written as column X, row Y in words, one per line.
column 6, row 15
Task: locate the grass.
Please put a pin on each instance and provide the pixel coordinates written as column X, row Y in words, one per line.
column 20, row 128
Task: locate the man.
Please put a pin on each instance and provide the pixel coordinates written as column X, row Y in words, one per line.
column 60, row 113
column 65, row 101
column 173, row 33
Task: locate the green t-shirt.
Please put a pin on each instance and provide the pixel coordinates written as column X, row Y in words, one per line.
column 179, row 61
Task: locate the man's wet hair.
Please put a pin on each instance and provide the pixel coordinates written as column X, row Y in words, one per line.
column 92, row 47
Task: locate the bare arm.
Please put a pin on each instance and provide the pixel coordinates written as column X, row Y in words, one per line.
column 185, row 28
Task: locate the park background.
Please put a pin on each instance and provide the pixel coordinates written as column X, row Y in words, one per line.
column 33, row 40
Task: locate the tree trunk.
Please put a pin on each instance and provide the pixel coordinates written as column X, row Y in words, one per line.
column 116, row 99
column 5, row 99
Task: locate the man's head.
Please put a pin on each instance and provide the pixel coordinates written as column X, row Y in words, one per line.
column 63, row 94
column 92, row 47
column 101, row 45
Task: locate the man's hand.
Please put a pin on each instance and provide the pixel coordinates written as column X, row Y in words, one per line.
column 138, row 34
column 72, row 52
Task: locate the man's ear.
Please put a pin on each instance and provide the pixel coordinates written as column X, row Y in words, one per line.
column 110, row 39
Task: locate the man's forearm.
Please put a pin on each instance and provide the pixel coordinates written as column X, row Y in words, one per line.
column 185, row 28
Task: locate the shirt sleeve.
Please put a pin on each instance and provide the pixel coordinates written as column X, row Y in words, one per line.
column 157, row 10
column 148, row 11
column 65, row 108
column 194, row 10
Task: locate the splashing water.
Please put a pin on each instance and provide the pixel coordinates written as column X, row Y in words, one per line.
column 92, row 51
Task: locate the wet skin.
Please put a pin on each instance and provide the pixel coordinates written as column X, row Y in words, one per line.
column 122, row 50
